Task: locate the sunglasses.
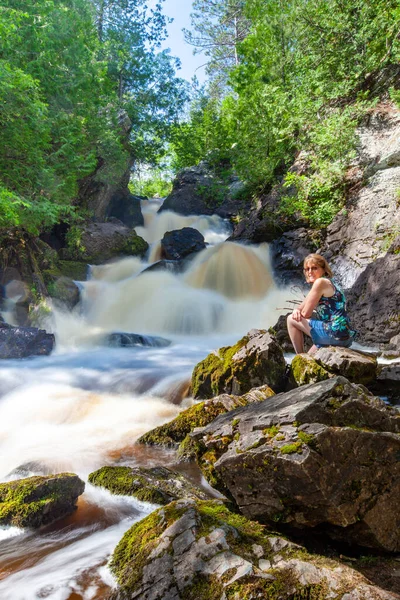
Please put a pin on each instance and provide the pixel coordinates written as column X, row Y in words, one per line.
column 310, row 269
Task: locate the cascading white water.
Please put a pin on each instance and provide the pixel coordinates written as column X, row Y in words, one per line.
column 85, row 405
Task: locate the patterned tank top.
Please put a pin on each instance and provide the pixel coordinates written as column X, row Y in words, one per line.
column 333, row 314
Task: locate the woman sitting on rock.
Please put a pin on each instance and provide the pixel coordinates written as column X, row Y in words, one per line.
column 332, row 325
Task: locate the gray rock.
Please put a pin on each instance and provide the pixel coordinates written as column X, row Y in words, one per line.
column 22, row 342
column 126, row 207
column 130, row 340
column 322, row 455
column 355, row 366
column 202, row 550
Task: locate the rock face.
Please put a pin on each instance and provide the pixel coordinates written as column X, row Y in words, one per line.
column 255, row 360
column 126, row 207
column 201, row 551
column 288, row 253
column 200, row 191
column 102, row 241
column 22, row 342
column 359, row 235
column 321, row 455
column 178, row 244
column 38, row 501
column 374, row 299
column 157, row 485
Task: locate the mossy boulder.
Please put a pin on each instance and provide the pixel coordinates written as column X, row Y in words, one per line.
column 193, row 550
column 98, row 242
column 304, row 369
column 255, row 360
column 37, row 501
column 200, row 414
column 157, row 485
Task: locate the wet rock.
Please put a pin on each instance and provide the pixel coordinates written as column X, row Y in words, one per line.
column 99, row 242
column 201, row 551
column 22, row 342
column 129, row 340
column 321, row 455
column 256, row 359
column 66, row 291
column 38, row 500
column 200, row 414
column 355, row 366
column 180, row 243
column 157, row 485
column 173, row 266
column 305, row 369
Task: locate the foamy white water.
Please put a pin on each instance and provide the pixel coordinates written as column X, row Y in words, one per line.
column 85, row 405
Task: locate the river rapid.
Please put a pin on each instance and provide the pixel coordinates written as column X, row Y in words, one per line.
column 84, row 406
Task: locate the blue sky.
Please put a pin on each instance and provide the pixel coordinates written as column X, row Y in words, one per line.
column 180, row 11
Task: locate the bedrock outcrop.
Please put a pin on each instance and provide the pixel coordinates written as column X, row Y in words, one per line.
column 201, row 551
column 37, row 501
column 255, row 360
column 324, row 455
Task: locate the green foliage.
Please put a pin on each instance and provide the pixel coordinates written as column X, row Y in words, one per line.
column 155, row 183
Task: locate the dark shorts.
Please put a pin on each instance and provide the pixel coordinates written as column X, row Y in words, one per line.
column 321, row 338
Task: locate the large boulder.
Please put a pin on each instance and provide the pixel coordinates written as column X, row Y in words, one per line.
column 99, row 242
column 38, row 500
column 201, row 551
column 22, row 342
column 374, row 299
column 179, row 243
column 255, row 360
column 305, row 369
column 200, row 190
column 157, row 485
column 324, row 455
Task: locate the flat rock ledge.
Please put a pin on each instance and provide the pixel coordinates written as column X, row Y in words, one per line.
column 37, row 501
column 255, row 360
column 192, row 550
column 323, row 455
column 157, row 485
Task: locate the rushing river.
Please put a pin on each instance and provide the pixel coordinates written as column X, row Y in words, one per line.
column 85, row 405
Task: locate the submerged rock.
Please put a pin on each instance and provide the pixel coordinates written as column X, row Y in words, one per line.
column 157, row 485
column 179, row 243
column 23, row 342
column 322, row 455
column 255, row 360
column 201, row 551
column 38, row 500
column 128, row 340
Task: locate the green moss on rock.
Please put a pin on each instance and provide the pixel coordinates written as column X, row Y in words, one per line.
column 305, row 369
column 37, row 501
column 175, row 431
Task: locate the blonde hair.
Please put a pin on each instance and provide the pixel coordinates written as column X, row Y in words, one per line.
column 320, row 261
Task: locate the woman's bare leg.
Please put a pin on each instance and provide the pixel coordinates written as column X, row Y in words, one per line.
column 296, row 330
